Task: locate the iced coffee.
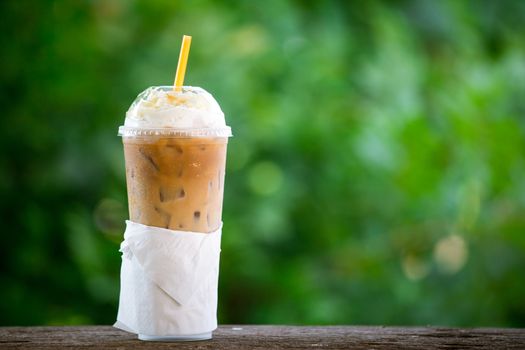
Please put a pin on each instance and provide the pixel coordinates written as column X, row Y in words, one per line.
column 175, row 152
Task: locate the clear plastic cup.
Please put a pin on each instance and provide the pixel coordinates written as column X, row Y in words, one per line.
column 175, row 180
column 175, row 176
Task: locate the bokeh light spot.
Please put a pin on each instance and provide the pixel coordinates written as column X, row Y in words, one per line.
column 249, row 40
column 109, row 216
column 414, row 268
column 450, row 254
column 265, row 178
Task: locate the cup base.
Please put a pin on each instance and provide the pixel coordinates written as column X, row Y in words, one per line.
column 175, row 338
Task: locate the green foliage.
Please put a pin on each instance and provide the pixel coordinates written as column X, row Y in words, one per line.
column 375, row 176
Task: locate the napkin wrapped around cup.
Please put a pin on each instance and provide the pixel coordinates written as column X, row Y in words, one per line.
column 169, row 281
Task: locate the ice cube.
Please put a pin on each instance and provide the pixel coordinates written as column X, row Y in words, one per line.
column 167, row 194
column 165, row 217
column 149, row 159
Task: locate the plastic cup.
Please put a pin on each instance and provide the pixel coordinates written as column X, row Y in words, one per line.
column 175, row 180
column 175, row 177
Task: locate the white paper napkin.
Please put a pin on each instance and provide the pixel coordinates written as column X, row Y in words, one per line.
column 168, row 281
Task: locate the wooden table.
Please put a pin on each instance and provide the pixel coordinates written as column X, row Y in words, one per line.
column 271, row 337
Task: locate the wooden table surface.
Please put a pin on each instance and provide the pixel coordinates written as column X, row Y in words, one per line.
column 271, row 337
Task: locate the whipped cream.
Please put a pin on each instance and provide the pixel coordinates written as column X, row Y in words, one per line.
column 162, row 107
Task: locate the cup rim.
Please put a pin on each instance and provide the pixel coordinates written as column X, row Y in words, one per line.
column 127, row 131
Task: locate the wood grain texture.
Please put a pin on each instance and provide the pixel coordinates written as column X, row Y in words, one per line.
column 270, row 337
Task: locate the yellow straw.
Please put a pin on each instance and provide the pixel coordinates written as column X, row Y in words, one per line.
column 183, row 60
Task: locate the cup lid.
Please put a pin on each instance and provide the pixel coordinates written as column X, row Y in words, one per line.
column 126, row 131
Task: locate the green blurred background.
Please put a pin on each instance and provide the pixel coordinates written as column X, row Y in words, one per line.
column 376, row 175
